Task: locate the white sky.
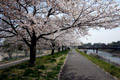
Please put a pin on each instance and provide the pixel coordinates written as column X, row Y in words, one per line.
column 102, row 36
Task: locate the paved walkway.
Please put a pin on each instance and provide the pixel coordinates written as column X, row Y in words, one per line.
column 78, row 67
column 2, row 66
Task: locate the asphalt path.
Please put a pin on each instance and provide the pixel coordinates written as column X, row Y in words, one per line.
column 78, row 67
column 2, row 66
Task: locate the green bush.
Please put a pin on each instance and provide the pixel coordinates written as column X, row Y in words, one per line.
column 113, row 73
column 40, row 67
column 51, row 75
column 62, row 58
column 28, row 72
column 112, row 66
column 22, row 66
column 56, row 68
column 52, row 60
column 3, row 76
column 60, row 63
column 53, row 56
column 36, row 73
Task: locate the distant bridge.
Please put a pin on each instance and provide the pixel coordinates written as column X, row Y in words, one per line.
column 97, row 48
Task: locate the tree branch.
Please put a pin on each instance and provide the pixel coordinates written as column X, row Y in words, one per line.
column 26, row 42
column 28, row 32
column 40, row 36
column 9, row 23
column 8, row 31
column 6, row 36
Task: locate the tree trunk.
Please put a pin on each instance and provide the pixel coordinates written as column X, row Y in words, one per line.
column 32, row 54
column 10, row 55
column 52, row 52
column 33, row 51
column 62, row 48
column 59, row 49
column 53, row 48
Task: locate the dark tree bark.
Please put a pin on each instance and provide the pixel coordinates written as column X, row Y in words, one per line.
column 59, row 49
column 33, row 49
column 52, row 52
column 53, row 48
column 32, row 54
column 68, row 48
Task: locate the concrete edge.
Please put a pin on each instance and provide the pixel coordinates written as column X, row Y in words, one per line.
column 10, row 64
column 100, row 68
column 63, row 66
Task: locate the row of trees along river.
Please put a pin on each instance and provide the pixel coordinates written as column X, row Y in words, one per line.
column 11, row 51
column 54, row 23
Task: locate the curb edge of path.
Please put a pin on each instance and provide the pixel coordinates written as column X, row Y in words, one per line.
column 14, row 63
column 63, row 66
column 100, row 67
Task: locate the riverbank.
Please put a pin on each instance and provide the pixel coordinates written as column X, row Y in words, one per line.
column 106, row 60
column 113, row 52
column 107, row 57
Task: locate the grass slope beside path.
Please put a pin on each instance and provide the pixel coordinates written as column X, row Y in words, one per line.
column 113, row 70
column 46, row 68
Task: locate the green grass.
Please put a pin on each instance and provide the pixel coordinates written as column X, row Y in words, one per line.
column 46, row 68
column 113, row 70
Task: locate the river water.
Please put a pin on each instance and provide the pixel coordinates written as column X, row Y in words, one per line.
column 106, row 55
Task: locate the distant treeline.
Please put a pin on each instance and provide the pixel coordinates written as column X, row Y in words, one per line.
column 103, row 45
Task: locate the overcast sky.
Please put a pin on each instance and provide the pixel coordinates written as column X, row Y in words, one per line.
column 102, row 36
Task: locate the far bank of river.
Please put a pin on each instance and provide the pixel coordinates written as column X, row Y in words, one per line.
column 113, row 52
column 107, row 55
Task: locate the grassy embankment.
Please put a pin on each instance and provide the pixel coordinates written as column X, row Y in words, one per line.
column 113, row 70
column 46, row 68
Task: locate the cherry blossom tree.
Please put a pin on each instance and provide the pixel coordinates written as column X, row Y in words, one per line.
column 64, row 39
column 31, row 20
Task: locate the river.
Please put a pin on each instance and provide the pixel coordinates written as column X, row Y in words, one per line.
column 106, row 55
